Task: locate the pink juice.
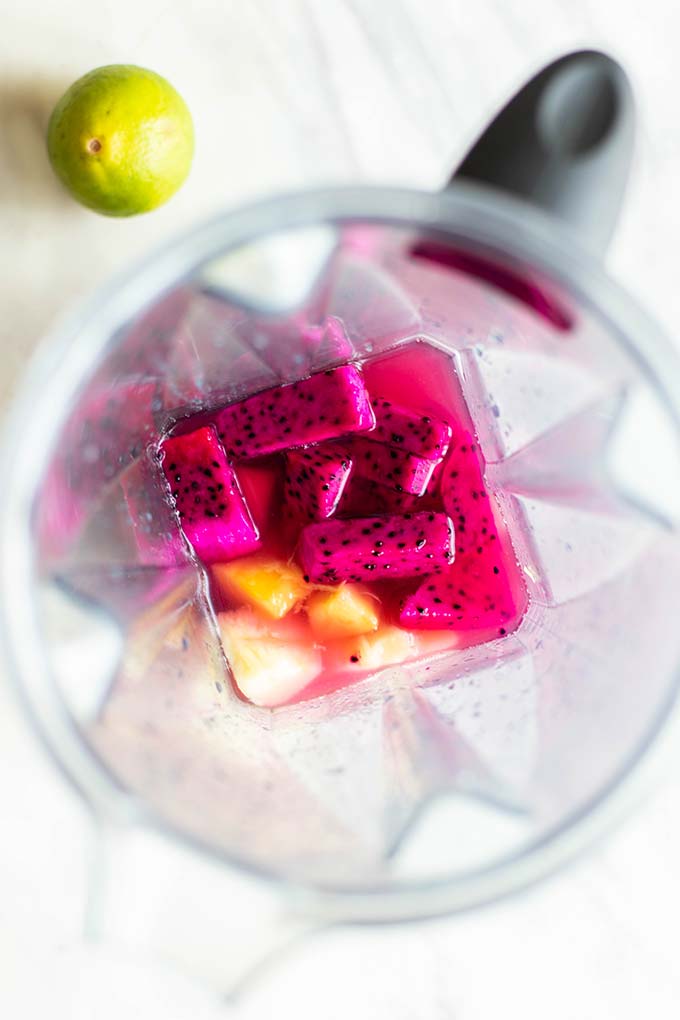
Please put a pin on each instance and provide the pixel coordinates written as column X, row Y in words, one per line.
column 346, row 525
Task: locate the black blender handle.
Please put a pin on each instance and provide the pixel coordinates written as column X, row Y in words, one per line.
column 565, row 144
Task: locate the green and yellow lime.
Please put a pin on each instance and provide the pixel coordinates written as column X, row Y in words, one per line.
column 121, row 140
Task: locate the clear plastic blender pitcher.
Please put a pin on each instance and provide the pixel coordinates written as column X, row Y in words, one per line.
column 224, row 828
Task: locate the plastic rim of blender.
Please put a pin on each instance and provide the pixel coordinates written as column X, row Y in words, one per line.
column 468, row 212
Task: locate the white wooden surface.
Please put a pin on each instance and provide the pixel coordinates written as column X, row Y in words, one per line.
column 288, row 93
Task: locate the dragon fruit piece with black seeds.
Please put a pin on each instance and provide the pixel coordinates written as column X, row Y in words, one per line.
column 364, row 496
column 315, row 481
column 212, row 511
column 376, row 548
column 394, row 469
column 482, row 595
column 406, row 430
column 326, row 405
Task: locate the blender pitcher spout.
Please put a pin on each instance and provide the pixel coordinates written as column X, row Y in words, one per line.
column 564, row 143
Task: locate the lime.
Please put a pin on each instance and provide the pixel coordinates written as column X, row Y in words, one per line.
column 121, row 140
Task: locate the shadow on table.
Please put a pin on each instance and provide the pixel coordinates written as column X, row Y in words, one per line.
column 25, row 172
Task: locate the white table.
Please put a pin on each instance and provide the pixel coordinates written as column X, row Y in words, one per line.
column 288, row 94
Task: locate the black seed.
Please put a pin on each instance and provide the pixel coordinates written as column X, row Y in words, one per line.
column 496, row 570
column 354, row 658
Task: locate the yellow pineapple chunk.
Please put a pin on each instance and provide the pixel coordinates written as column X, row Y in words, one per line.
column 342, row 612
column 271, row 585
column 386, row 646
column 271, row 662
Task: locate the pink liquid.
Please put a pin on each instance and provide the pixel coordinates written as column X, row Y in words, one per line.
column 480, row 597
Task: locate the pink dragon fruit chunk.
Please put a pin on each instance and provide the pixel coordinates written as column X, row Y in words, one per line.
column 395, row 469
column 365, row 496
column 482, row 594
column 323, row 406
column 376, row 548
column 405, row 430
column 315, row 480
column 212, row 511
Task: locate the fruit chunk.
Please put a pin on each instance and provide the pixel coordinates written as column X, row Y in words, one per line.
column 387, row 646
column 396, row 469
column 315, row 481
column 212, row 511
column 376, row 548
column 270, row 662
column 343, row 612
column 405, row 430
column 270, row 585
column 323, row 406
column 367, row 496
column 482, row 593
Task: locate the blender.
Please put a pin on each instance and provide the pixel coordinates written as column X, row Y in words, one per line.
column 225, row 830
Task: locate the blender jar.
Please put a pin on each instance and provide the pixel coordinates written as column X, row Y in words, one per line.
column 430, row 786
